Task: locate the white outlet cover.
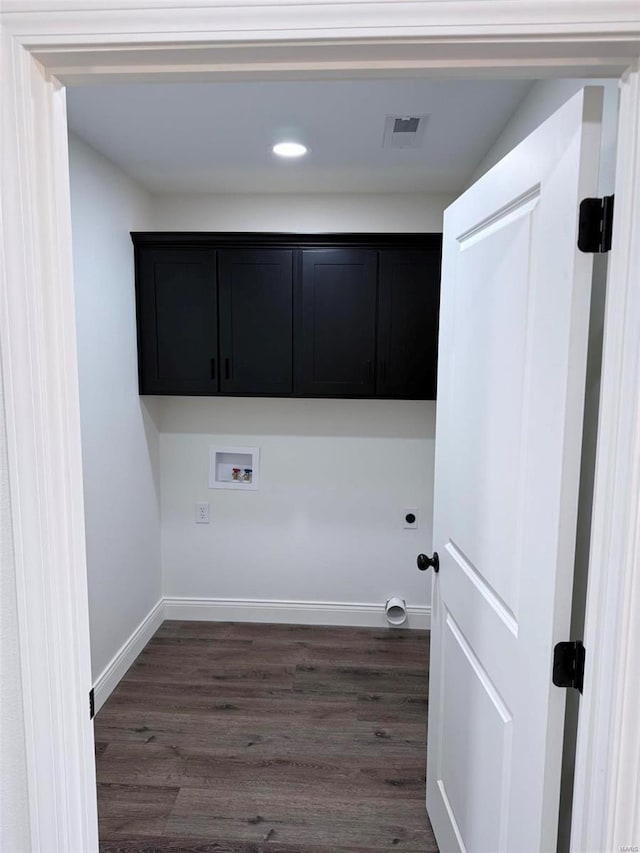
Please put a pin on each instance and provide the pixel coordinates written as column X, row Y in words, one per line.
column 202, row 513
column 410, row 525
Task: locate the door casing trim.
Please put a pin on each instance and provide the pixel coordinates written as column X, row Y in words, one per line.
column 47, row 44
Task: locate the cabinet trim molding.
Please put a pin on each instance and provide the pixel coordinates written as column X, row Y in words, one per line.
column 255, row 240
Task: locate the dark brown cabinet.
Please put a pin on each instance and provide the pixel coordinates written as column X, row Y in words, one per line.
column 288, row 315
column 408, row 303
column 256, row 321
column 177, row 321
column 337, row 339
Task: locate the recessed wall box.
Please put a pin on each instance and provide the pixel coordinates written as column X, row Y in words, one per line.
column 234, row 467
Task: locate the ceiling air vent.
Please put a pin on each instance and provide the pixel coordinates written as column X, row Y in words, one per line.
column 404, row 131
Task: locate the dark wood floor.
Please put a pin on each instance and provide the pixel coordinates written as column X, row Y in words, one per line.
column 248, row 738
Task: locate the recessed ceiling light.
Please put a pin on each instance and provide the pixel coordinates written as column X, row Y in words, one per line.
column 289, row 149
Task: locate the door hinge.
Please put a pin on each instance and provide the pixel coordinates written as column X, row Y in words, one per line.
column 92, row 704
column 568, row 665
column 595, row 225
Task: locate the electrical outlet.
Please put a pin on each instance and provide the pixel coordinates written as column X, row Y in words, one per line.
column 202, row 513
column 410, row 518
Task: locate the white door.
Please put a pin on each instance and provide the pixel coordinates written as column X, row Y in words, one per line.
column 513, row 343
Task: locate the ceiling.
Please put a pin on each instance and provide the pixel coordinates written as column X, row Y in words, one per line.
column 217, row 137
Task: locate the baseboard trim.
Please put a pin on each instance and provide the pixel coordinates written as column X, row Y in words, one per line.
column 122, row 660
column 290, row 612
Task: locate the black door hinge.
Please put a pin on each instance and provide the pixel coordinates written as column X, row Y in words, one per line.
column 595, row 225
column 568, row 665
column 92, row 704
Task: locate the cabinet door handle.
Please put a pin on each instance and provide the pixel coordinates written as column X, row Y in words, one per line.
column 213, row 368
column 227, row 368
column 369, row 371
column 383, row 371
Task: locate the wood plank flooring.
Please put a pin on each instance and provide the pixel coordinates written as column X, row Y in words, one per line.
column 252, row 738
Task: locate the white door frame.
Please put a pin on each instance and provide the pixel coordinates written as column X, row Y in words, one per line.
column 48, row 43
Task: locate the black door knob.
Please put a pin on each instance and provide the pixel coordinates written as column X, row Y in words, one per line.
column 425, row 562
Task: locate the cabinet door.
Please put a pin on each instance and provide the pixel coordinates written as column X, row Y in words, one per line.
column 409, row 290
column 256, row 321
column 177, row 321
column 337, row 328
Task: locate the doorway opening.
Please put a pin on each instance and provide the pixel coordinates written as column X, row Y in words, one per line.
column 344, row 472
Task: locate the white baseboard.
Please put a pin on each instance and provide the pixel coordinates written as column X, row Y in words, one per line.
column 122, row 660
column 290, row 612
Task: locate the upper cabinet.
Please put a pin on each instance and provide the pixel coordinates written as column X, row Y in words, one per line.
column 288, row 315
column 177, row 320
column 408, row 294
column 256, row 321
column 336, row 343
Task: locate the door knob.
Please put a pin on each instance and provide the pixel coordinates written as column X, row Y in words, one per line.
column 425, row 562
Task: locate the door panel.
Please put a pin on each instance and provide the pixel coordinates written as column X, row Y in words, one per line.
column 512, row 360
column 256, row 321
column 479, row 723
column 338, row 322
column 489, row 387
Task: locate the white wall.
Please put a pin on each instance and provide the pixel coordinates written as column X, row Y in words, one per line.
column 14, row 807
column 300, row 213
column 326, row 523
column 543, row 99
column 120, row 443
